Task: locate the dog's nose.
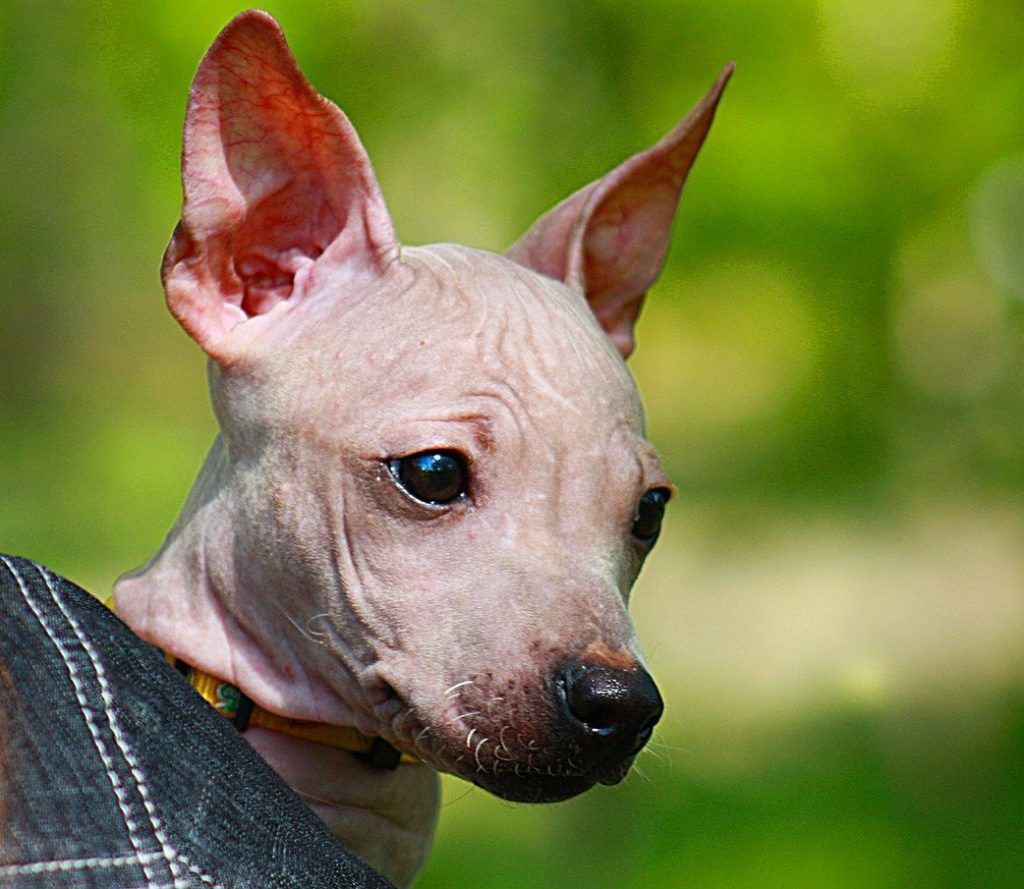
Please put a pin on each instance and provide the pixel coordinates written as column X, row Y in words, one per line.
column 615, row 710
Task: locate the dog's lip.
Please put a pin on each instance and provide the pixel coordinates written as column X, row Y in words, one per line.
column 543, row 788
column 534, row 788
column 615, row 772
column 535, row 785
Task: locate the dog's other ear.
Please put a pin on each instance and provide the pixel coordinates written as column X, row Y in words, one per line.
column 609, row 239
column 278, row 189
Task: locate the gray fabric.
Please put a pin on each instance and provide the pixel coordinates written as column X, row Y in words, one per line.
column 115, row 774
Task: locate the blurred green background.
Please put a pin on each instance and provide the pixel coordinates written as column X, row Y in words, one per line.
column 833, row 366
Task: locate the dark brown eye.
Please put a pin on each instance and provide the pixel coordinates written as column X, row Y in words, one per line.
column 649, row 513
column 433, row 477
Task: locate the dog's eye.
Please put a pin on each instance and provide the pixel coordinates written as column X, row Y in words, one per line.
column 649, row 512
column 434, row 477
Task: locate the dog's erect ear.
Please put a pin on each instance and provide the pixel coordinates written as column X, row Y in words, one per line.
column 609, row 239
column 278, row 189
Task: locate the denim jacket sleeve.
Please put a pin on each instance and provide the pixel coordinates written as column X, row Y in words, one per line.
column 115, row 774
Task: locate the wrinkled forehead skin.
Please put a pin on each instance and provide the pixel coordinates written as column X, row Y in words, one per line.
column 458, row 334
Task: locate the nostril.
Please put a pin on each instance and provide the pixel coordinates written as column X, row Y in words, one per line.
column 645, row 734
column 617, row 708
column 598, row 716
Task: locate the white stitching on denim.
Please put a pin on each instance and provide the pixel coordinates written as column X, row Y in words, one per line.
column 115, row 728
column 174, row 885
column 68, row 864
column 87, row 714
column 198, row 871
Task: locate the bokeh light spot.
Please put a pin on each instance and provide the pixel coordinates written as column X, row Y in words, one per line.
column 949, row 335
column 997, row 224
column 887, row 52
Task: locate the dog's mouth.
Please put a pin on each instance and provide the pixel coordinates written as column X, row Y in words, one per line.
column 541, row 747
column 545, row 787
column 539, row 775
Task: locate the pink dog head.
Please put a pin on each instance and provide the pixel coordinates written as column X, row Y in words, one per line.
column 432, row 491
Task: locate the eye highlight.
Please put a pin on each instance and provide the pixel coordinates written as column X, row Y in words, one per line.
column 649, row 513
column 436, row 478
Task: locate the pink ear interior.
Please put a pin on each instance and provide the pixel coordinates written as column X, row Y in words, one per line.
column 609, row 240
column 277, row 187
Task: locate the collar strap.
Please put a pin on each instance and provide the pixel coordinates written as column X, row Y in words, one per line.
column 232, row 703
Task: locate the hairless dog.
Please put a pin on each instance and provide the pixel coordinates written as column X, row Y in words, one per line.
column 431, row 492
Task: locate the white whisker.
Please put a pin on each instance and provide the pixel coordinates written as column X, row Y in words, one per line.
column 643, row 776
column 304, row 632
column 457, row 686
column 479, row 765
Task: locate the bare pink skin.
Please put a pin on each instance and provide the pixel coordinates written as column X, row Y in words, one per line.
column 300, row 569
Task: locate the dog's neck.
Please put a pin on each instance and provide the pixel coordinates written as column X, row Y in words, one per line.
column 200, row 600
column 194, row 600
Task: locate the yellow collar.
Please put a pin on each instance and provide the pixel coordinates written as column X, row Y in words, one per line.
column 231, row 702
